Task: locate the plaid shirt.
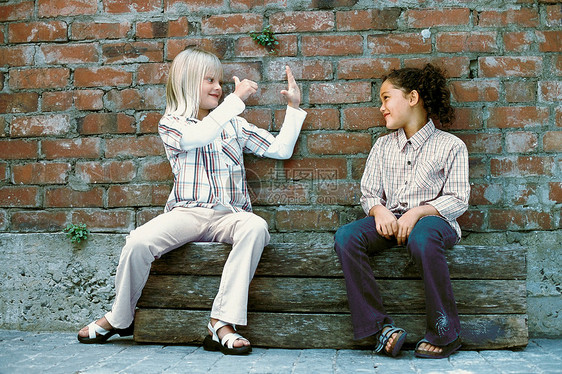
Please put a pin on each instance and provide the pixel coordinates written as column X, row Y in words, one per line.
column 429, row 168
column 212, row 175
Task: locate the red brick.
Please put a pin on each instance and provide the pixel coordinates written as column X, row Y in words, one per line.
column 262, row 118
column 45, row 125
column 17, row 55
column 511, row 117
column 466, row 119
column 358, row 167
column 285, row 22
column 70, row 54
column 3, row 171
column 11, row 197
column 519, row 41
column 472, row 220
column 475, row 90
column 553, row 16
column 106, row 172
column 147, row 214
column 521, row 166
column 106, row 123
column 478, row 167
column 191, row 5
column 67, row 197
column 407, row 43
column 523, row 17
column 338, row 193
column 268, row 94
column 259, row 168
column 156, row 171
column 239, row 23
column 105, row 220
column 41, row 173
column 550, row 41
column 302, row 69
column 319, row 170
column 317, row 119
column 132, row 6
column 251, row 4
column 99, row 31
column 244, row 70
column 156, row 73
column 19, row 102
column 482, row 142
column 558, row 116
column 88, row 99
column 331, row 45
column 456, row 42
column 454, row 66
column 309, row 219
column 217, row 46
column 421, row 18
column 149, row 145
column 518, row 92
column 34, row 221
column 15, row 12
column 366, row 68
column 144, row 98
column 246, row 47
column 56, row 101
column 555, row 191
column 362, row 118
column 499, row 66
column 133, row 195
column 338, row 93
column 149, row 123
column 39, row 78
column 522, row 194
column 485, row 194
column 54, row 31
column 159, row 29
column 370, row 19
column 56, row 8
column 129, row 52
column 339, row 143
column 551, row 91
column 102, row 76
column 521, row 142
column 526, row 219
column 552, row 141
column 274, row 192
column 18, row 149
column 71, row 148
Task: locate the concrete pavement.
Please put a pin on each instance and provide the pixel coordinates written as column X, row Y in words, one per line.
column 59, row 353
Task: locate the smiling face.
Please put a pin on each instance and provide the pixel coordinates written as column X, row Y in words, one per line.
column 210, row 94
column 396, row 106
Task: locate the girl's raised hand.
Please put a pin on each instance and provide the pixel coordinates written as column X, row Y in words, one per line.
column 243, row 89
column 292, row 93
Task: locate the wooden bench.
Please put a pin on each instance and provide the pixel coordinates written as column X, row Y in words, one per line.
column 298, row 298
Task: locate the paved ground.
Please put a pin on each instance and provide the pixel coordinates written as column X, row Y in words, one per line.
column 27, row 352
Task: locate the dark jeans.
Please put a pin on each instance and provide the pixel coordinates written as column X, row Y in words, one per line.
column 431, row 235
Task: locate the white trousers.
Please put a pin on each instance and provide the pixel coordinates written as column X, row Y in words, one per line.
column 247, row 232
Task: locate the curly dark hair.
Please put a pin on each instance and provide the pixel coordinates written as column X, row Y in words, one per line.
column 431, row 84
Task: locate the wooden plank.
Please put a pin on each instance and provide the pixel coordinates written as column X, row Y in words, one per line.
column 294, row 330
column 328, row 295
column 465, row 262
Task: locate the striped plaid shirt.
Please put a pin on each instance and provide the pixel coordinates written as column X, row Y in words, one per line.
column 429, row 168
column 213, row 175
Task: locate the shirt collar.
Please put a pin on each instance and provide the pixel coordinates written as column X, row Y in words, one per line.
column 418, row 139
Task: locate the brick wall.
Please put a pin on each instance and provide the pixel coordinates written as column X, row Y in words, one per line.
column 82, row 89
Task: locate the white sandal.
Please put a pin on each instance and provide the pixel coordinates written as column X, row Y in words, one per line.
column 97, row 334
column 226, row 344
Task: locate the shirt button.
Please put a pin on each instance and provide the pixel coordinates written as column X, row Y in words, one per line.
column 409, row 162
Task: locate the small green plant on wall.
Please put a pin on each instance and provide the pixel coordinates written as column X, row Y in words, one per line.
column 77, row 232
column 267, row 38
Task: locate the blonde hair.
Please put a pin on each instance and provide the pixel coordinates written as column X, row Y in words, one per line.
column 186, row 75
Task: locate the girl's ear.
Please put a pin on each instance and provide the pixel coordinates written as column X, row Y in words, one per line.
column 414, row 98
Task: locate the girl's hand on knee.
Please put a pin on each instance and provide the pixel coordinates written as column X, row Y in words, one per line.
column 385, row 221
column 292, row 93
column 243, row 89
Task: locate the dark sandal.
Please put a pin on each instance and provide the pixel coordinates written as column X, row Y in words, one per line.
column 384, row 337
column 226, row 344
column 98, row 335
column 447, row 350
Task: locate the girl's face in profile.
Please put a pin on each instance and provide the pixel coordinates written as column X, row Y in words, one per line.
column 211, row 92
column 395, row 106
